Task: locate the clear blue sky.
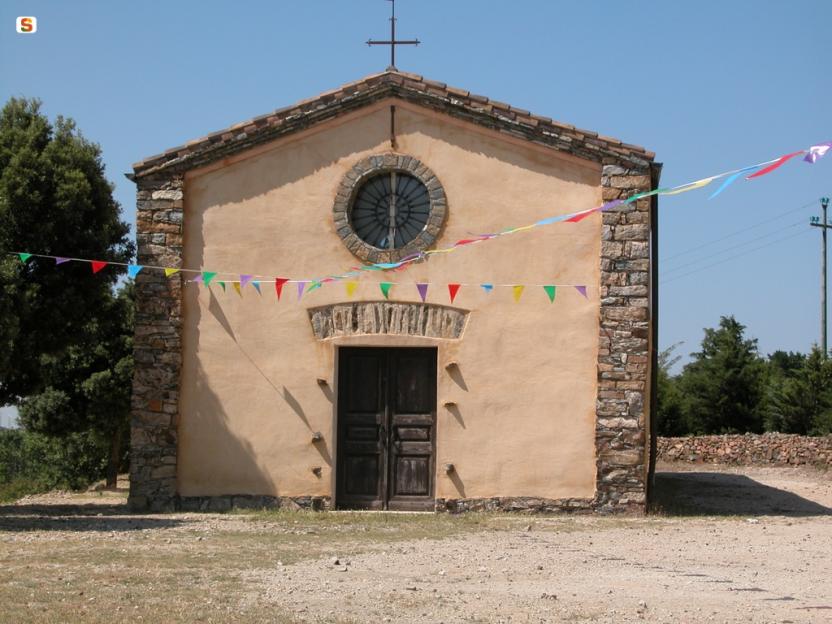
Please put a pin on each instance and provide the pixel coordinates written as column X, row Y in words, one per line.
column 707, row 85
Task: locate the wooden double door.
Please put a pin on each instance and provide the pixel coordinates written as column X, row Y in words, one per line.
column 386, row 428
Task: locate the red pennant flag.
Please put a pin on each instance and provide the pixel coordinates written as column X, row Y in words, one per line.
column 278, row 285
column 97, row 265
column 775, row 165
column 581, row 216
column 453, row 289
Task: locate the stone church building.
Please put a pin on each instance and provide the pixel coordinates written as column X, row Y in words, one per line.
column 350, row 398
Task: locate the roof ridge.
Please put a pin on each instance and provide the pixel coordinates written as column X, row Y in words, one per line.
column 417, row 88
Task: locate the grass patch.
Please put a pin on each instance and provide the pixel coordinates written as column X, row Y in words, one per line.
column 19, row 487
column 199, row 570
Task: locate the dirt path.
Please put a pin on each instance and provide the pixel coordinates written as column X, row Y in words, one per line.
column 762, row 556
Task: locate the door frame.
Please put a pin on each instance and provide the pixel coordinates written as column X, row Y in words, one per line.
column 426, row 503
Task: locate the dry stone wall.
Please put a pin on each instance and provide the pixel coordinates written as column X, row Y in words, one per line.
column 749, row 449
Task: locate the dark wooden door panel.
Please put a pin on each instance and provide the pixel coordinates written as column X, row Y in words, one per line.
column 361, row 471
column 413, row 426
column 386, row 428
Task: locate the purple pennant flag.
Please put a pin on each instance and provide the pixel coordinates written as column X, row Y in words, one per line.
column 197, row 278
column 582, row 290
column 245, row 279
column 423, row 291
column 61, row 260
column 816, row 152
column 301, row 286
column 611, row 204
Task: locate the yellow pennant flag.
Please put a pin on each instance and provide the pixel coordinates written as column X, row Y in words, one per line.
column 690, row 187
column 169, row 272
column 518, row 291
column 351, row 286
column 236, row 286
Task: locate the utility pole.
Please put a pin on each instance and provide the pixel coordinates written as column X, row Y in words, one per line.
column 824, row 225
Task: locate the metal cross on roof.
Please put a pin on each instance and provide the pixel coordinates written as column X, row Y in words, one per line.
column 393, row 42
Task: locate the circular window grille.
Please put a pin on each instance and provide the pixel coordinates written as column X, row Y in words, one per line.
column 390, row 210
column 388, row 207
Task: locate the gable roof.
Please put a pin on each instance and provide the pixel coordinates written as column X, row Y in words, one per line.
column 408, row 87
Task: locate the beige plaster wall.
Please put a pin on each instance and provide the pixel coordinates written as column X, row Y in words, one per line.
column 250, row 397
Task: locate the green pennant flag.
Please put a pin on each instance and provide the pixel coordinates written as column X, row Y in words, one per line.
column 207, row 276
column 550, row 290
column 385, row 289
column 223, row 285
column 24, row 257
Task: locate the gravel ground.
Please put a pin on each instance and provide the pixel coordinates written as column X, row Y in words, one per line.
column 727, row 545
column 771, row 563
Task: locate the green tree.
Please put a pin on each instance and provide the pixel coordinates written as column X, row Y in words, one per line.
column 61, row 355
column 799, row 399
column 723, row 385
column 670, row 414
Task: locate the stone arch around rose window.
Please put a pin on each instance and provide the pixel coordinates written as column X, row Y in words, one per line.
column 352, row 182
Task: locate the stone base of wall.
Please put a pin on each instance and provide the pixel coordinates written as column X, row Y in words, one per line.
column 523, row 504
column 230, row 501
column 749, row 449
column 513, row 504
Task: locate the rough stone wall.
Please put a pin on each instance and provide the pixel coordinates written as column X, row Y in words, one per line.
column 623, row 349
column 157, row 345
column 748, row 449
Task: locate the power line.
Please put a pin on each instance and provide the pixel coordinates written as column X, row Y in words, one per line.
column 737, row 246
column 774, row 242
column 741, row 231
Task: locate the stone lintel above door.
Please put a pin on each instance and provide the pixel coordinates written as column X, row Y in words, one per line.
column 363, row 318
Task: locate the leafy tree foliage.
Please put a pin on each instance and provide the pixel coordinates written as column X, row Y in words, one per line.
column 728, row 387
column 670, row 413
column 724, row 383
column 64, row 335
column 799, row 400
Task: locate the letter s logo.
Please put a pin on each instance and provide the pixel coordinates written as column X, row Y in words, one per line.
column 27, row 25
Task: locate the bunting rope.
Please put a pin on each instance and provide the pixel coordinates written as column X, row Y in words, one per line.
column 811, row 155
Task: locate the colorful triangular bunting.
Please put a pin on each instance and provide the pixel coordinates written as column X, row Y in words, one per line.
column 582, row 290
column 245, row 279
column 550, row 290
column 301, row 286
column 169, row 272
column 487, row 287
column 278, row 285
column 222, row 285
column 775, row 165
column 24, row 257
column 817, row 152
column 385, row 289
column 133, row 269
column 61, row 260
column 256, row 285
column 97, row 265
column 453, row 289
column 236, row 287
column 351, row 286
column 207, row 276
column 518, row 291
column 423, row 291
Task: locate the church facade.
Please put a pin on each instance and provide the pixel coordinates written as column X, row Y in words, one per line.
column 458, row 383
